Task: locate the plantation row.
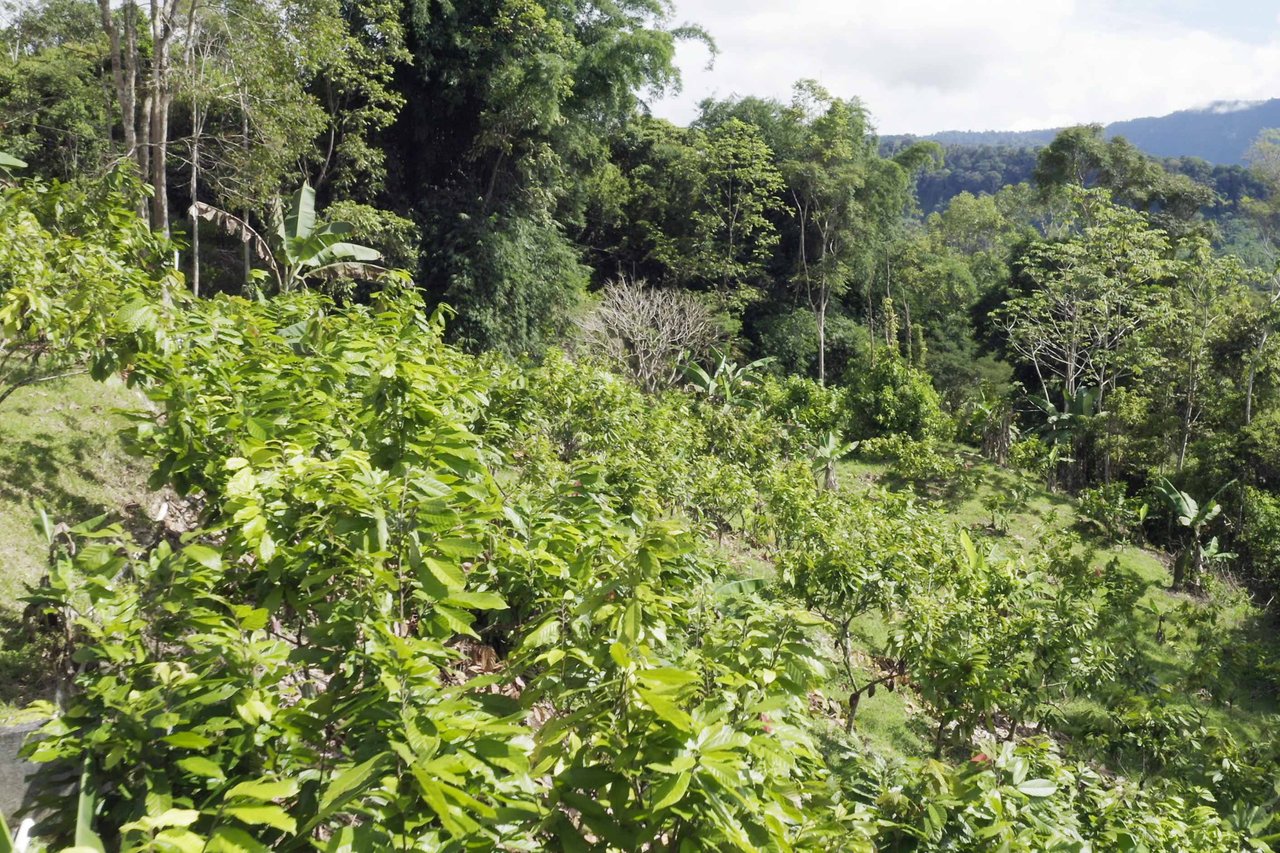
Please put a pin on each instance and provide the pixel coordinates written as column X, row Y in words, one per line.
column 437, row 601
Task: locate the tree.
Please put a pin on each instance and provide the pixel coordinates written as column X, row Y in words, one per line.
column 650, row 334
column 1082, row 156
column 739, row 185
column 52, row 112
column 691, row 208
column 507, row 105
column 842, row 195
column 1205, row 299
column 1081, row 323
column 1264, row 163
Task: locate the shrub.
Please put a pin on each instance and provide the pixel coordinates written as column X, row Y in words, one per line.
column 812, row 410
column 81, row 280
column 915, row 462
column 1110, row 511
column 1259, row 541
column 895, row 398
column 1030, row 455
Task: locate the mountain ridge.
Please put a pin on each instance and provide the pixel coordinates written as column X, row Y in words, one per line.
column 1219, row 132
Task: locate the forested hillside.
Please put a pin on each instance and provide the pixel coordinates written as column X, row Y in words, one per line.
column 1219, row 133
column 509, row 469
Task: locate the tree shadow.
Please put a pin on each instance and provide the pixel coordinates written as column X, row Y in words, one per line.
column 26, row 655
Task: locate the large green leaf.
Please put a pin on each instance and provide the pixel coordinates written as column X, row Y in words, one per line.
column 301, row 219
column 86, row 806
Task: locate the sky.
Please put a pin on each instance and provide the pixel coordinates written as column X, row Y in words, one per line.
column 929, row 65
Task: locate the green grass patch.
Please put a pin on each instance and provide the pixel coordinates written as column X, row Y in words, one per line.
column 59, row 448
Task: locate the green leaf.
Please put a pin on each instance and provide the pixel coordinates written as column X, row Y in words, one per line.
column 6, row 840
column 187, row 740
column 86, row 805
column 233, row 839
column 970, row 552
column 476, row 600
column 272, row 816
column 546, row 633
column 198, row 765
column 447, row 575
column 205, row 556
column 347, row 783
column 670, row 791
column 173, row 817
column 667, row 677
column 300, row 223
column 1038, row 788
column 666, row 709
column 264, row 790
column 742, row 586
column 349, row 252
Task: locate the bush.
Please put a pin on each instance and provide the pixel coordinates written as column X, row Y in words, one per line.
column 1110, row 511
column 1259, row 542
column 915, row 462
column 895, row 398
column 1030, row 455
column 813, row 410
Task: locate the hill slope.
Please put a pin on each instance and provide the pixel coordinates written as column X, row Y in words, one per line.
column 1219, row 133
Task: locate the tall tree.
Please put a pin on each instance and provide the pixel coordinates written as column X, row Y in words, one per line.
column 1264, row 163
column 842, row 194
column 739, row 186
column 508, row 102
column 1081, row 324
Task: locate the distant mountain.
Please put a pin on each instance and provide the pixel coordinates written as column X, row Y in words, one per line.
column 1220, row 133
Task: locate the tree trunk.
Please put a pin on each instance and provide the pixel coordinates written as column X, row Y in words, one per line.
column 144, row 152
column 159, row 98
column 194, row 187
column 124, row 93
column 1253, row 372
column 122, row 37
column 871, row 319
column 822, row 336
column 247, row 256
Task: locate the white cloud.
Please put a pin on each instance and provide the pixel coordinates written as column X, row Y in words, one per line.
column 926, row 65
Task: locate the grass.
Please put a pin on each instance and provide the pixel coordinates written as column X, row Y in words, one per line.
column 58, row 449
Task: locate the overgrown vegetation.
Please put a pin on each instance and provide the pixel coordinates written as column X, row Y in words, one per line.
column 820, row 524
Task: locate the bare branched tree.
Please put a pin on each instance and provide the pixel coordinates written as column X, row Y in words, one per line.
column 650, row 333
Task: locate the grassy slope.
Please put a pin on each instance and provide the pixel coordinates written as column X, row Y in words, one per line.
column 894, row 721
column 58, row 447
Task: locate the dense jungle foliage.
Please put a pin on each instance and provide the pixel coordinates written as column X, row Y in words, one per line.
column 538, row 474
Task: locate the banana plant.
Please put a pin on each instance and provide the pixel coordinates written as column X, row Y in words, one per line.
column 1193, row 518
column 305, row 249
column 1062, row 426
column 10, row 164
column 826, row 455
column 726, row 380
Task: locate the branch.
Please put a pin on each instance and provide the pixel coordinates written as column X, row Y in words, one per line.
column 32, row 380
